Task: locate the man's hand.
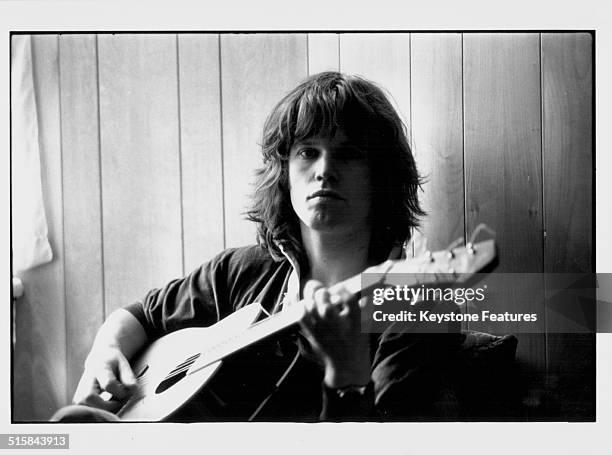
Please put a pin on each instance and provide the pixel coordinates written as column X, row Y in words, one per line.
column 332, row 325
column 106, row 369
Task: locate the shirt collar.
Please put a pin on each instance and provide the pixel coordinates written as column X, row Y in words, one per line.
column 292, row 293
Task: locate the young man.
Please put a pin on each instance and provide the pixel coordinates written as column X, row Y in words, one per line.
column 337, row 193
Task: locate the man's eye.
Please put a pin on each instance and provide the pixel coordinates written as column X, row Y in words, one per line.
column 308, row 153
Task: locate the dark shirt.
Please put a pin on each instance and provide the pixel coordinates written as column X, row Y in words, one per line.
column 407, row 369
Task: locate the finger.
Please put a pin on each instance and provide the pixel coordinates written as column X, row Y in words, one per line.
column 339, row 299
column 309, row 311
column 87, row 385
column 324, row 308
column 310, row 288
column 365, row 322
column 344, row 301
column 315, row 295
column 126, row 374
column 109, row 382
column 351, row 303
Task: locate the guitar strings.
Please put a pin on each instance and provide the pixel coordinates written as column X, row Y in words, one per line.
column 210, row 351
column 185, row 365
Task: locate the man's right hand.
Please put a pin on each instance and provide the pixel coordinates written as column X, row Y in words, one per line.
column 106, row 370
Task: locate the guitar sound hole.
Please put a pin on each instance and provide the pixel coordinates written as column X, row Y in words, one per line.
column 179, row 372
column 144, row 370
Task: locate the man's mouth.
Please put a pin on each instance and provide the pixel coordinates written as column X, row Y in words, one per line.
column 325, row 194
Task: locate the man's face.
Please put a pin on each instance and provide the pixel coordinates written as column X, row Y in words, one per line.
column 329, row 182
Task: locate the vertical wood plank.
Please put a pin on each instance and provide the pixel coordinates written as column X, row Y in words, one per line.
column 323, row 52
column 140, row 164
column 384, row 59
column 437, row 131
column 201, row 147
column 567, row 159
column 502, row 143
column 437, row 134
column 568, row 154
column 257, row 70
column 82, row 211
column 39, row 375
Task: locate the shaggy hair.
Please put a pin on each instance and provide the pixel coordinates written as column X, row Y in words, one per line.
column 318, row 107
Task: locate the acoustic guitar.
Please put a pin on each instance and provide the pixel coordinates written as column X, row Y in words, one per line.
column 178, row 366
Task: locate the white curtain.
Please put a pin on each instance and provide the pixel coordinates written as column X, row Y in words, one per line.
column 30, row 243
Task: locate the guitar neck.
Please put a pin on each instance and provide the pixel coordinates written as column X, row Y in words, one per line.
column 241, row 339
column 435, row 268
column 290, row 315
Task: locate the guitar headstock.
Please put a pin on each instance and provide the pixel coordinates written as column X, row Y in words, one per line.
column 454, row 264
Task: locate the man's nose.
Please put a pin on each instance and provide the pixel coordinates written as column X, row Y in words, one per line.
column 326, row 168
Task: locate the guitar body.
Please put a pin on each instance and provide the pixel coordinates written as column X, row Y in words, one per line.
column 167, row 390
column 160, row 393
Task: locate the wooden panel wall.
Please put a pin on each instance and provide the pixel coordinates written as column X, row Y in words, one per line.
column 139, row 133
column 84, row 275
column 150, row 143
column 257, row 70
column 568, row 162
column 502, row 134
column 382, row 58
column 323, row 52
column 201, row 147
column 437, row 132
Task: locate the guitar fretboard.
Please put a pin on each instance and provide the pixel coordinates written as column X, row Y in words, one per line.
column 254, row 333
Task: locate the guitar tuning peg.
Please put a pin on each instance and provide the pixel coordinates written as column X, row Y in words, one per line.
column 453, row 245
column 470, row 249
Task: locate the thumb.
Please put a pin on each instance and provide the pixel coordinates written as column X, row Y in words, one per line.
column 126, row 375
